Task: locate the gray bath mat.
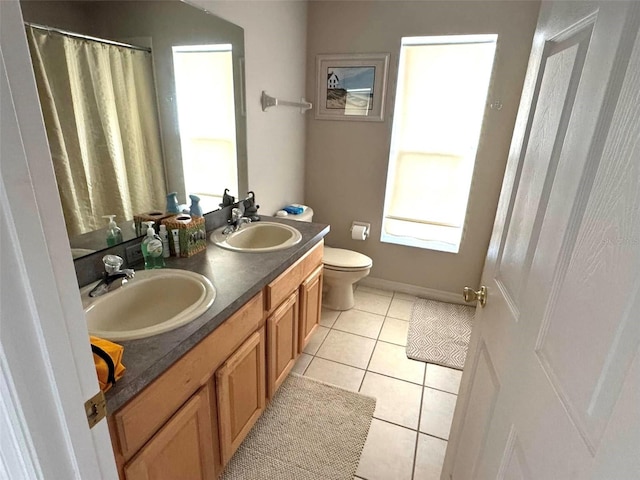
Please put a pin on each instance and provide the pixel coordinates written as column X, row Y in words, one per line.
column 439, row 332
column 309, row 431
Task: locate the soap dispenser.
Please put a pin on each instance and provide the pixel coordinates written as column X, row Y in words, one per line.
column 114, row 234
column 152, row 249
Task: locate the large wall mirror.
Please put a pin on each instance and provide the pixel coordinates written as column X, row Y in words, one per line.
column 178, row 124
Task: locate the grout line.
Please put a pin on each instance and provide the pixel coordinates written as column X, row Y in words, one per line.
column 359, row 335
column 440, row 390
column 415, row 448
column 366, row 370
column 397, row 425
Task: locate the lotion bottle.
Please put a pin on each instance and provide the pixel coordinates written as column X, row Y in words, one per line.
column 164, row 236
column 114, row 234
column 176, row 241
column 152, row 249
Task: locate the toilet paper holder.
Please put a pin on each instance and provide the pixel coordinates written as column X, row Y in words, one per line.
column 367, row 227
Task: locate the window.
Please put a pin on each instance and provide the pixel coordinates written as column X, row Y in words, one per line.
column 206, row 117
column 440, row 102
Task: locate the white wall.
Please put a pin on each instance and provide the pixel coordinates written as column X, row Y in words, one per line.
column 275, row 34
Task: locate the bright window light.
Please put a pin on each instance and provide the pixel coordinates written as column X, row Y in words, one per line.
column 440, row 103
column 206, row 116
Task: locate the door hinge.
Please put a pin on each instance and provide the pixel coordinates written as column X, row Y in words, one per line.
column 96, row 408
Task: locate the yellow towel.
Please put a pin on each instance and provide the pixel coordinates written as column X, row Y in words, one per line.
column 108, row 359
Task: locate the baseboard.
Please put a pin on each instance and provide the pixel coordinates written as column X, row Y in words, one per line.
column 423, row 292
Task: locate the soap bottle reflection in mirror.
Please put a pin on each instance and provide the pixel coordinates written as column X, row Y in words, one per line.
column 114, row 234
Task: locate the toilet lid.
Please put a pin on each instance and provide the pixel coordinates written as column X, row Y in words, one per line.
column 341, row 258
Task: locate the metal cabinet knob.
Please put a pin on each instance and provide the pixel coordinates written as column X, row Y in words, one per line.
column 470, row 295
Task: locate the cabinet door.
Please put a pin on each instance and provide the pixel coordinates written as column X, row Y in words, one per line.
column 282, row 338
column 240, row 385
column 310, row 306
column 182, row 448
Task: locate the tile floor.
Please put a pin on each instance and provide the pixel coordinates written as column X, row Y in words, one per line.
column 363, row 349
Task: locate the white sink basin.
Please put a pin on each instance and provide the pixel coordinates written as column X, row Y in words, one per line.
column 152, row 302
column 258, row 237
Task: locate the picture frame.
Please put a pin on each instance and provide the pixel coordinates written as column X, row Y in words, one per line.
column 351, row 86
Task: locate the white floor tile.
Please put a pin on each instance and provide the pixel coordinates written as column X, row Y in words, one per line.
column 361, row 323
column 388, row 453
column 316, row 340
column 400, row 308
column 370, row 302
column 394, row 331
column 429, row 458
column 335, row 374
column 347, row 348
column 397, row 401
column 328, row 317
column 437, row 412
column 443, row 378
column 302, row 363
column 391, row 360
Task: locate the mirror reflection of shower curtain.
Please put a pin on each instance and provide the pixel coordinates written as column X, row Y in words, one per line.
column 99, row 109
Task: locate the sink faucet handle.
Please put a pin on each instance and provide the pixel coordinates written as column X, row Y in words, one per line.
column 236, row 214
column 112, row 263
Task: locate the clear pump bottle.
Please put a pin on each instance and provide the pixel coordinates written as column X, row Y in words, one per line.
column 114, row 234
column 152, row 249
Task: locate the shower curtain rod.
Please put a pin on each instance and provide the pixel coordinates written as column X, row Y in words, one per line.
column 86, row 37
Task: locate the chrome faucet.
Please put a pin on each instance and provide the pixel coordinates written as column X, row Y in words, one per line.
column 237, row 220
column 113, row 274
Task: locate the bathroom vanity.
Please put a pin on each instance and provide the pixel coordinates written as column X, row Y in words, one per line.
column 190, row 396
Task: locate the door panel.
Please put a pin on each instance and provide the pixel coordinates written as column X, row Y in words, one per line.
column 560, row 71
column 564, row 261
column 241, row 393
column 182, row 448
column 282, row 338
column 310, row 306
column 603, row 259
column 479, row 408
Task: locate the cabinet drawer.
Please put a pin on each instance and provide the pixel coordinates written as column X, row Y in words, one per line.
column 289, row 281
column 137, row 421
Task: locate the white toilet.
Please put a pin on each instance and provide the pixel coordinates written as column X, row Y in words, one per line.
column 342, row 268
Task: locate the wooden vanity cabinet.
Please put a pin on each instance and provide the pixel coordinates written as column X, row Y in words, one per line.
column 240, row 385
column 282, row 334
column 310, row 306
column 189, row 422
column 293, row 303
column 182, row 447
column 140, row 429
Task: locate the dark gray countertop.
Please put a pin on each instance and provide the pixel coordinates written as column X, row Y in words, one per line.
column 237, row 277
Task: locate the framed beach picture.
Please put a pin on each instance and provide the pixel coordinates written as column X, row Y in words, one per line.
column 351, row 86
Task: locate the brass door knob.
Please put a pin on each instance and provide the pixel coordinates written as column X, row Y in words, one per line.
column 470, row 295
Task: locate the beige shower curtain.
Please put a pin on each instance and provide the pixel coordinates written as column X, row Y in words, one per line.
column 99, row 109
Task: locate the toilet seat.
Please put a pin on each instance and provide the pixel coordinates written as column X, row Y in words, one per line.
column 341, row 260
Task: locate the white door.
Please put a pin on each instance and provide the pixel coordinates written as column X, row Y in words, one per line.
column 46, row 367
column 551, row 387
